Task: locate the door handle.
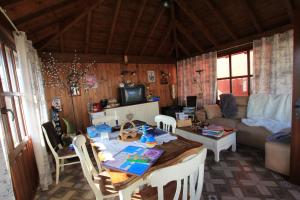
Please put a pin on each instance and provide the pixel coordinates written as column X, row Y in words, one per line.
column 5, row 110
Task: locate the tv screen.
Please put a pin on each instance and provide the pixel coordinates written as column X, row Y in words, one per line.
column 132, row 95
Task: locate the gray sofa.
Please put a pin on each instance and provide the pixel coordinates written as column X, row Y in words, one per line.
column 277, row 153
column 248, row 135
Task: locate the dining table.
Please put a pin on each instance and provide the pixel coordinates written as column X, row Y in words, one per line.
column 174, row 152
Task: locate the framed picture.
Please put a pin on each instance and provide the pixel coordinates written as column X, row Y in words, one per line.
column 75, row 90
column 151, row 76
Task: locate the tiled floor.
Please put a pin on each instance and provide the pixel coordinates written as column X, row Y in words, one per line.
column 238, row 176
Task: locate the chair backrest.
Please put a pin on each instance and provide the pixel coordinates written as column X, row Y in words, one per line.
column 71, row 129
column 88, row 168
column 53, row 140
column 190, row 170
column 166, row 123
column 191, row 101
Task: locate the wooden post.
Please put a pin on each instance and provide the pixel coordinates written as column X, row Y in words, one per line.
column 295, row 144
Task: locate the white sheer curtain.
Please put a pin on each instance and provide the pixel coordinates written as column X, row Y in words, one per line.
column 273, row 64
column 35, row 108
column 197, row 77
column 6, row 188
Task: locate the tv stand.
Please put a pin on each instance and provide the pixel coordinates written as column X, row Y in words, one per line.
column 143, row 112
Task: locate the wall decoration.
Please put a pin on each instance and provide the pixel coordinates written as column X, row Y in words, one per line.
column 164, row 78
column 56, row 103
column 69, row 76
column 151, row 76
column 75, row 90
column 90, row 82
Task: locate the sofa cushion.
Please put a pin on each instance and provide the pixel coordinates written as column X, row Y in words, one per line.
column 277, row 156
column 241, row 113
column 213, row 111
column 252, row 135
column 200, row 115
column 242, row 100
column 226, row 122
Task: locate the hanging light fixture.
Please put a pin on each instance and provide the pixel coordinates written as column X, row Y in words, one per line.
column 166, row 3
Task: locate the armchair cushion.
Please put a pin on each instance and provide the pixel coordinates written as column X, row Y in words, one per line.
column 213, row 111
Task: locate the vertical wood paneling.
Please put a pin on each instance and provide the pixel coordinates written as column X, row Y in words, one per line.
column 108, row 76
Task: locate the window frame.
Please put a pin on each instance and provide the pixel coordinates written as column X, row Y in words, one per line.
column 8, row 55
column 230, row 78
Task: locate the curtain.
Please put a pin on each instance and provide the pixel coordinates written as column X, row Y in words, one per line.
column 6, row 187
column 197, row 77
column 35, row 108
column 273, row 64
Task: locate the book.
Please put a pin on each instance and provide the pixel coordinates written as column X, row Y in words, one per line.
column 213, row 133
column 134, row 160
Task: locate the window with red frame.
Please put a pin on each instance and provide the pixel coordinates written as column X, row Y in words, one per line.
column 234, row 72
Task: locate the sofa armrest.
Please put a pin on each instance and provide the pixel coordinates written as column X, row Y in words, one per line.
column 201, row 115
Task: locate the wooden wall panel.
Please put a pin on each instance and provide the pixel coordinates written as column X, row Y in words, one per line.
column 109, row 77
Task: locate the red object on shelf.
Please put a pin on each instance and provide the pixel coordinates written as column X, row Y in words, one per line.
column 97, row 107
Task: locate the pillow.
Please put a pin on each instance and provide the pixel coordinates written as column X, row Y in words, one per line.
column 241, row 113
column 212, row 111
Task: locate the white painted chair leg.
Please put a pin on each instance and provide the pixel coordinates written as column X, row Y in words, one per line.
column 62, row 162
column 57, row 171
column 124, row 195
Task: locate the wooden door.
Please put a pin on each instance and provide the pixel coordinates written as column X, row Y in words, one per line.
column 19, row 145
column 295, row 145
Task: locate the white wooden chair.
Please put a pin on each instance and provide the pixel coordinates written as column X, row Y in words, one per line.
column 93, row 176
column 191, row 171
column 59, row 153
column 166, row 121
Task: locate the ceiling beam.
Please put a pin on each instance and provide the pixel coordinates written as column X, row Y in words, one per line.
column 6, row 3
column 87, row 31
column 41, row 12
column 136, row 23
column 221, row 18
column 163, row 41
column 174, row 33
column 74, row 21
column 61, row 42
column 43, row 33
column 104, row 58
column 152, row 29
column 190, row 13
column 171, row 51
column 188, row 35
column 183, row 48
column 113, row 26
column 252, row 15
column 289, row 7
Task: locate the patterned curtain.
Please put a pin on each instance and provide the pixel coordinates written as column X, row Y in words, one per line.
column 273, row 64
column 35, row 108
column 197, row 77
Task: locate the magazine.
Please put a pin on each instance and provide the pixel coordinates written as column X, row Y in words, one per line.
column 134, row 160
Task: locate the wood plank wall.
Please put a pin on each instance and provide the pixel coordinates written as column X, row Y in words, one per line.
column 109, row 77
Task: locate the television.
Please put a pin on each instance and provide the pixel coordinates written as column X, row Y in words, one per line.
column 132, row 95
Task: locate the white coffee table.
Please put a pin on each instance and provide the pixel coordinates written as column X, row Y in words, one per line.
column 214, row 144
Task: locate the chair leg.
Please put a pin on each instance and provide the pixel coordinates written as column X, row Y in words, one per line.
column 57, row 171
column 62, row 165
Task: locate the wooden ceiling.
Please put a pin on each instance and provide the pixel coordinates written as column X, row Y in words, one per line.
column 145, row 28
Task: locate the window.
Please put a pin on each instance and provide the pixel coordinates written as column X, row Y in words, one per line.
column 10, row 75
column 234, row 72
